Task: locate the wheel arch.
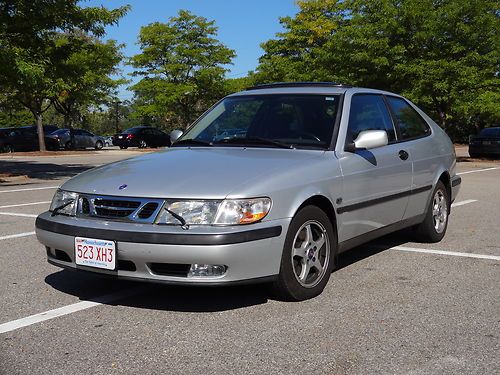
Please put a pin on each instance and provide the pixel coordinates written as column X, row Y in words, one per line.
column 323, row 203
column 445, row 178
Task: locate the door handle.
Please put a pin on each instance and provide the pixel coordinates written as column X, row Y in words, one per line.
column 403, row 155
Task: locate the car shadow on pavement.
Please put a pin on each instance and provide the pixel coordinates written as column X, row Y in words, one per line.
column 179, row 298
column 164, row 297
column 42, row 171
column 374, row 247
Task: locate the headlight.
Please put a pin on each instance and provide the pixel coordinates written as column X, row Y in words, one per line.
column 61, row 198
column 242, row 211
column 194, row 212
column 227, row 212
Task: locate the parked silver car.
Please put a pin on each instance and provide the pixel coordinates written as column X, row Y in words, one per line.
column 320, row 169
column 77, row 138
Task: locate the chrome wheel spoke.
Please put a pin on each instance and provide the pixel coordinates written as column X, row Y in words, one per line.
column 304, row 272
column 317, row 265
column 319, row 242
column 298, row 252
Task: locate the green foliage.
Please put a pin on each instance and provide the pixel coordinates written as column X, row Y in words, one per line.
column 30, row 53
column 443, row 55
column 85, row 74
column 182, row 65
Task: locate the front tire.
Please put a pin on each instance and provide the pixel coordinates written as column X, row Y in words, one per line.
column 143, row 143
column 434, row 226
column 308, row 256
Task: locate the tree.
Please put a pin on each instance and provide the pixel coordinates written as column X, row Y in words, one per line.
column 182, row 65
column 85, row 74
column 29, row 53
column 443, row 55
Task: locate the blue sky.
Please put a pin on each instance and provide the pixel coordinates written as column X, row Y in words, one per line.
column 243, row 24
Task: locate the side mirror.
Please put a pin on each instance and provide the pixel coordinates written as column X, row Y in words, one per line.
column 368, row 139
column 175, row 135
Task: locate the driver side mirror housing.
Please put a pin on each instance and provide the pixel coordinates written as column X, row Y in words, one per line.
column 368, row 139
column 175, row 135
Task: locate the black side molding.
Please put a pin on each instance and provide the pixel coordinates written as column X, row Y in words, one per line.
column 455, row 181
column 159, row 238
column 372, row 202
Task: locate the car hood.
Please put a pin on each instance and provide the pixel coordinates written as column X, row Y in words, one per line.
column 198, row 172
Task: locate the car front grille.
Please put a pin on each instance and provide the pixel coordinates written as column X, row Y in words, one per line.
column 119, row 208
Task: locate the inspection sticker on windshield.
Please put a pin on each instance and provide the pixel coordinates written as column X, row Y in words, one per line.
column 92, row 252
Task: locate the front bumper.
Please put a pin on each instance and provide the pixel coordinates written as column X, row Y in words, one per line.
column 250, row 253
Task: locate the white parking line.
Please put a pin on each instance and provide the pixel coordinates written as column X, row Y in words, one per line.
column 442, row 252
column 461, row 203
column 24, row 204
column 65, row 310
column 16, row 214
column 39, row 188
column 17, row 235
column 479, row 170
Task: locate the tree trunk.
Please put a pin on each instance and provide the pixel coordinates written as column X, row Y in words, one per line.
column 41, row 135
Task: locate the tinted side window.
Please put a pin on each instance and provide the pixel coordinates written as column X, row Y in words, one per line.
column 369, row 112
column 411, row 125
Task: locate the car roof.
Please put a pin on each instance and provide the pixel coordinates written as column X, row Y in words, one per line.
column 324, row 88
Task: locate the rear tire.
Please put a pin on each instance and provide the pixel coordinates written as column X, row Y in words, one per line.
column 308, row 256
column 8, row 149
column 143, row 143
column 434, row 226
column 98, row 145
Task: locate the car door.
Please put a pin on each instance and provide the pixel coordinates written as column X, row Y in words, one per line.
column 376, row 183
column 423, row 152
column 88, row 139
column 79, row 138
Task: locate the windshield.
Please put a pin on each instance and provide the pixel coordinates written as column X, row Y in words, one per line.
column 131, row 131
column 60, row 131
column 490, row 132
column 297, row 120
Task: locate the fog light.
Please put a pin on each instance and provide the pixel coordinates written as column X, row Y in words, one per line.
column 203, row 270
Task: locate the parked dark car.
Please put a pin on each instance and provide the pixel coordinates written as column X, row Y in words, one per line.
column 486, row 143
column 4, row 133
column 79, row 139
column 25, row 138
column 141, row 136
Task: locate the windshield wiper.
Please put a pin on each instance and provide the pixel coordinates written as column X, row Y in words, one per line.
column 193, row 141
column 257, row 140
column 56, row 210
column 181, row 220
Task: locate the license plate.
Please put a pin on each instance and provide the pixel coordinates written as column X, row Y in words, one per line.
column 486, row 142
column 96, row 253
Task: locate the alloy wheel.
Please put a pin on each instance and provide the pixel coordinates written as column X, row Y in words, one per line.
column 439, row 211
column 310, row 253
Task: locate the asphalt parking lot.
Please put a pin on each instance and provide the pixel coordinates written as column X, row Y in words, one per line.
column 393, row 307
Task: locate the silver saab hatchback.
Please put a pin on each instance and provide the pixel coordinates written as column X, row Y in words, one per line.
column 270, row 184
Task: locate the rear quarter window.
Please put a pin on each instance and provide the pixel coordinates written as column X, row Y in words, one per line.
column 411, row 124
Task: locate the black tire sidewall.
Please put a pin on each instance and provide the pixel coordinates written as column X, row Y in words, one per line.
column 287, row 287
column 98, row 145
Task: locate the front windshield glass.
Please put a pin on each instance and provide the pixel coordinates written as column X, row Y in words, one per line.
column 490, row 132
column 298, row 120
